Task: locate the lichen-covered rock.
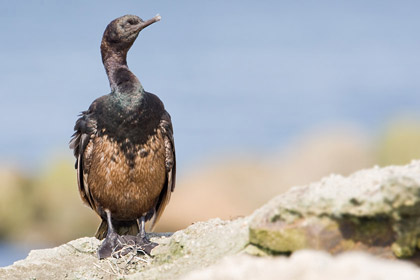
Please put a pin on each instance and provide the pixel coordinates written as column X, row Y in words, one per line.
column 198, row 246
column 375, row 210
column 308, row 265
column 195, row 247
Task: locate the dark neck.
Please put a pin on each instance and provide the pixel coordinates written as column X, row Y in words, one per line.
column 121, row 79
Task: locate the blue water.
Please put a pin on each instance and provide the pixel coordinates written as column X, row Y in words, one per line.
column 10, row 253
column 236, row 76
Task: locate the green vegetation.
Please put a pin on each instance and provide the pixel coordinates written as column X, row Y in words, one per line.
column 45, row 208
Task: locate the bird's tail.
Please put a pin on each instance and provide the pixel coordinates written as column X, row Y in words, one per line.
column 122, row 228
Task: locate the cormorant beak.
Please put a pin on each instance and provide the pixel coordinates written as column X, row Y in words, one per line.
column 146, row 23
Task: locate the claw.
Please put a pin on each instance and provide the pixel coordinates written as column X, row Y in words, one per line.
column 144, row 244
column 116, row 246
column 139, row 243
column 112, row 243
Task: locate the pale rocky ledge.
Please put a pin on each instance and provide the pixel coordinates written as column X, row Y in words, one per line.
column 365, row 226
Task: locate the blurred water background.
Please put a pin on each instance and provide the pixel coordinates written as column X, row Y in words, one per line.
column 264, row 95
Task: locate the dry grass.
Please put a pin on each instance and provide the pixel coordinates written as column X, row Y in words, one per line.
column 127, row 259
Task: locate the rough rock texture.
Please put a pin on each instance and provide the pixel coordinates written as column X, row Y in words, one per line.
column 373, row 210
column 75, row 259
column 376, row 210
column 198, row 246
column 308, row 265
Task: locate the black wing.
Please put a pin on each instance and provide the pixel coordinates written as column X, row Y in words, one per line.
column 170, row 161
column 85, row 130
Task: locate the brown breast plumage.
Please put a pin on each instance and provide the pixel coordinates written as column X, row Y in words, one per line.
column 128, row 187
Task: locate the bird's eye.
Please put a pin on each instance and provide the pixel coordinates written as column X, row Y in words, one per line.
column 132, row 21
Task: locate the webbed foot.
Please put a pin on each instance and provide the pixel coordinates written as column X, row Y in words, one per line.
column 111, row 244
column 144, row 244
column 138, row 243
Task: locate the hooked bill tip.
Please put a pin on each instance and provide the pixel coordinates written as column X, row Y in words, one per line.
column 158, row 17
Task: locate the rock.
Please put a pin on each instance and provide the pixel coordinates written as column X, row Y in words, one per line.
column 308, row 265
column 76, row 259
column 375, row 210
column 198, row 246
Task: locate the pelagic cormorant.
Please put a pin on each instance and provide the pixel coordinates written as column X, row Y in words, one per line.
column 124, row 147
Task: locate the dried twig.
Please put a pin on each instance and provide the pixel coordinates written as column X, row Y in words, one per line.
column 106, row 271
column 125, row 259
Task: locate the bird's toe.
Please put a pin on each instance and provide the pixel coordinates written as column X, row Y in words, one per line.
column 144, row 244
column 111, row 246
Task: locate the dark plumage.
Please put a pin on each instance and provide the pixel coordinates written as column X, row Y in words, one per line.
column 124, row 147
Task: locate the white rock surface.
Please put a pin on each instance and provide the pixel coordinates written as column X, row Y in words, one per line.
column 308, row 265
column 386, row 200
column 374, row 209
column 365, row 193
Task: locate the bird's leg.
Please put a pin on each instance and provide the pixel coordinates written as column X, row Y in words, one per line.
column 112, row 241
column 143, row 243
column 142, row 223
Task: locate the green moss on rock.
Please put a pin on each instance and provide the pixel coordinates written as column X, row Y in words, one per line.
column 375, row 210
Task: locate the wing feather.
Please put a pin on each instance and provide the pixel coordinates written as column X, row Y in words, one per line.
column 85, row 130
column 170, row 162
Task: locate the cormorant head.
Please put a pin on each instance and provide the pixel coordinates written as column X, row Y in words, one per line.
column 121, row 33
